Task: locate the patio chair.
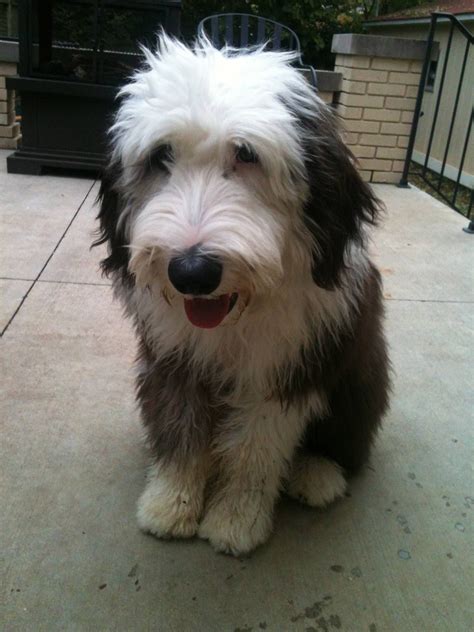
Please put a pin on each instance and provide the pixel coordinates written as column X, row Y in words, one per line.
column 242, row 29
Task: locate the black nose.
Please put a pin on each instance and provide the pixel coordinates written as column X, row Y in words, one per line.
column 195, row 273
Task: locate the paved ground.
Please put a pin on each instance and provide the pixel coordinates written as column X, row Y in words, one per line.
column 394, row 556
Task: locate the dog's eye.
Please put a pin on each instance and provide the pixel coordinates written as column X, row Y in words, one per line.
column 246, row 154
column 160, row 158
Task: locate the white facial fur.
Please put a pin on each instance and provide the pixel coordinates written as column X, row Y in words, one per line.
column 204, row 105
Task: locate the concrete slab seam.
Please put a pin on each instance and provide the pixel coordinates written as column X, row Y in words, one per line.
column 47, row 261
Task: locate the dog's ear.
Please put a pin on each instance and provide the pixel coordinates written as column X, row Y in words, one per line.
column 110, row 233
column 339, row 201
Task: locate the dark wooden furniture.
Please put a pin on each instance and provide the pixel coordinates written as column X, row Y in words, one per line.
column 74, row 54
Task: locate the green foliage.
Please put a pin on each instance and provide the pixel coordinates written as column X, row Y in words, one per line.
column 372, row 8
column 391, row 6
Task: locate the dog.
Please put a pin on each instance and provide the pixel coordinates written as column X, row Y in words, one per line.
column 236, row 224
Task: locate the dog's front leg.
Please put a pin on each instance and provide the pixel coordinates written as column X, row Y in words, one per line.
column 178, row 415
column 253, row 447
column 171, row 504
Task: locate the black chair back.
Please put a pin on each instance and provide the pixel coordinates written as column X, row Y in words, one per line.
column 241, row 30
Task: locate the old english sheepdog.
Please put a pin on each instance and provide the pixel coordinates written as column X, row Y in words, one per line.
column 235, row 221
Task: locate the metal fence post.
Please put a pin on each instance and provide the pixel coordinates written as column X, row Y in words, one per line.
column 419, row 98
column 469, row 229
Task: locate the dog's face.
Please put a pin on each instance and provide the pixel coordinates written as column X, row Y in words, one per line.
column 228, row 179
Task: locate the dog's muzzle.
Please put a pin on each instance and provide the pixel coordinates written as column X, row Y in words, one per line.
column 198, row 274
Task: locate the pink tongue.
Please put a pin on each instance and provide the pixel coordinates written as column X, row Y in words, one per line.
column 207, row 313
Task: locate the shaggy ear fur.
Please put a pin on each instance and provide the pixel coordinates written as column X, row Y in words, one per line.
column 339, row 201
column 110, row 200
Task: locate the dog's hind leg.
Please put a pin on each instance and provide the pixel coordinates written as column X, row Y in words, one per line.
column 357, row 384
column 338, row 444
column 357, row 404
column 315, row 480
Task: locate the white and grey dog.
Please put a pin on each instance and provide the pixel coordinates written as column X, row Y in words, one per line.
column 234, row 218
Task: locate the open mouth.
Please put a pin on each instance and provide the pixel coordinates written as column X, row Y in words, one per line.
column 207, row 313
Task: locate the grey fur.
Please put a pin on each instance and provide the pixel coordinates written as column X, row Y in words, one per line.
column 179, row 409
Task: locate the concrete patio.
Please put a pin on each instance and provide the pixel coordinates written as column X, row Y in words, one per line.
column 395, row 555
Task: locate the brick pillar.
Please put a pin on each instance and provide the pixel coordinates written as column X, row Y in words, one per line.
column 380, row 77
column 9, row 129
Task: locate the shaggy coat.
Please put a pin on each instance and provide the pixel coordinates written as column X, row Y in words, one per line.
column 229, row 156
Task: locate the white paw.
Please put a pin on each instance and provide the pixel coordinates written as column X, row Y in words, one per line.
column 236, row 527
column 315, row 481
column 167, row 513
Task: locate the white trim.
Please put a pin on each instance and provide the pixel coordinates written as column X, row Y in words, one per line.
column 462, row 17
column 467, row 179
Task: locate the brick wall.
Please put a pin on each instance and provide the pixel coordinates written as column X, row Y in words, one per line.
column 9, row 129
column 377, row 100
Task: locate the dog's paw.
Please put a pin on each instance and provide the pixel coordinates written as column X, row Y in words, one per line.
column 166, row 514
column 236, row 528
column 315, row 481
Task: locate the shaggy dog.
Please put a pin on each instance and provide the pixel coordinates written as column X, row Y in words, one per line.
column 235, row 218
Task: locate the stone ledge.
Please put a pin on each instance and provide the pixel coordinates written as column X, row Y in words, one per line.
column 328, row 80
column 8, row 118
column 376, row 46
column 10, row 143
column 386, row 177
column 9, row 131
column 9, row 51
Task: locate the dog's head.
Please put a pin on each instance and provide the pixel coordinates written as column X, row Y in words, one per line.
column 228, row 179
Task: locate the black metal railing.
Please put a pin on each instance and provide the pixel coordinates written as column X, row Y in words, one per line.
column 434, row 178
